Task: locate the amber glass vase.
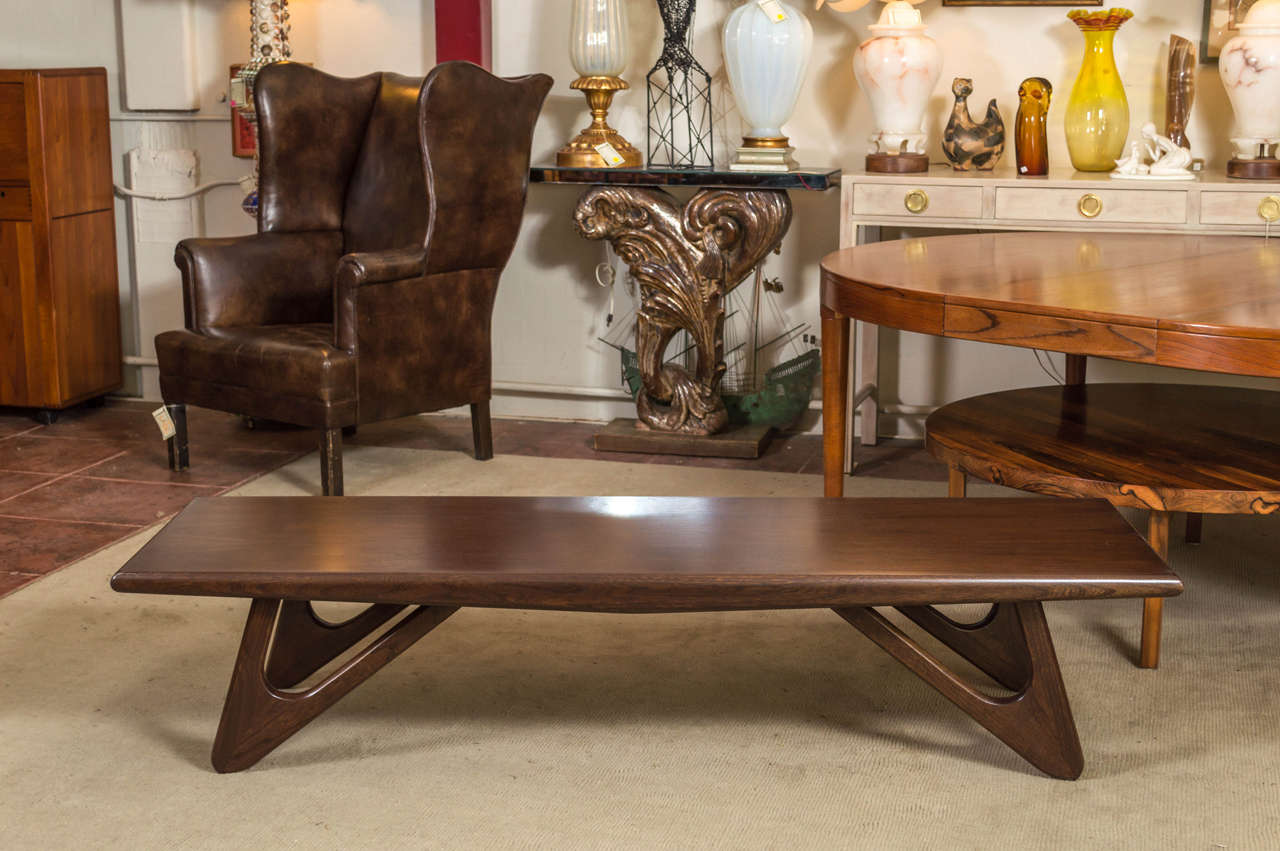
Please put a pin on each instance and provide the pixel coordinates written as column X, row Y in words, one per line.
column 1098, row 112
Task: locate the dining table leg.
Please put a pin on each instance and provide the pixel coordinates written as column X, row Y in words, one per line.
column 835, row 399
column 1153, row 608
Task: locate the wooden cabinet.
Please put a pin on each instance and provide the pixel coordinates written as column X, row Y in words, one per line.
column 59, row 295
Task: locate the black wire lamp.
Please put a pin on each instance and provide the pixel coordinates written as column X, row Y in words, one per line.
column 679, row 96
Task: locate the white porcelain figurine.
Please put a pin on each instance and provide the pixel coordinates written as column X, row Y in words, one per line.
column 1168, row 161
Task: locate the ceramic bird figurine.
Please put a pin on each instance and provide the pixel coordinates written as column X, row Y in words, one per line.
column 968, row 144
column 1031, row 127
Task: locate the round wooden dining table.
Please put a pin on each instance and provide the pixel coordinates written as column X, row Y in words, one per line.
column 1207, row 303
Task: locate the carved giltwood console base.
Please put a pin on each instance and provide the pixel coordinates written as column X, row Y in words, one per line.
column 685, row 260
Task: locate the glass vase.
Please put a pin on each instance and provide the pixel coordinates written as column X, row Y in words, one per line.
column 1097, row 116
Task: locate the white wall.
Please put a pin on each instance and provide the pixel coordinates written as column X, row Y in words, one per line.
column 549, row 309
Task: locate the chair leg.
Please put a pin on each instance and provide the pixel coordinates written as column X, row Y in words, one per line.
column 482, row 430
column 956, row 483
column 331, row 462
column 1153, row 608
column 179, row 455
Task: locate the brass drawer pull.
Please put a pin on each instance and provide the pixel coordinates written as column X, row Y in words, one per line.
column 1090, row 206
column 1269, row 209
column 917, row 201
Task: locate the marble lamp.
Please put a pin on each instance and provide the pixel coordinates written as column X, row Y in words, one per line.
column 898, row 68
column 1250, row 69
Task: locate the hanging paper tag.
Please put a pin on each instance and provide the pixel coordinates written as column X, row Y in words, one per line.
column 610, row 154
column 167, row 428
column 773, row 9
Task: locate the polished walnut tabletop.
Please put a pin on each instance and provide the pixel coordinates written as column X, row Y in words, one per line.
column 647, row 553
column 1200, row 302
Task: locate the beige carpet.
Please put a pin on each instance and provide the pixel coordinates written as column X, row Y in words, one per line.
column 517, row 729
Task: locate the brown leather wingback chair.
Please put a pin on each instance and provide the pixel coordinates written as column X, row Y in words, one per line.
column 388, row 207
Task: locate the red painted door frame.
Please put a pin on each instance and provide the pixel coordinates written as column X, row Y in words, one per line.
column 464, row 31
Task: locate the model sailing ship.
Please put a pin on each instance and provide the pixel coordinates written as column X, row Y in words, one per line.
column 757, row 333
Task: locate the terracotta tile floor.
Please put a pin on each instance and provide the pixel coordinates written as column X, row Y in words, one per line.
column 100, row 474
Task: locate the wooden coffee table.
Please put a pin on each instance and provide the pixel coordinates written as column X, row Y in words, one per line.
column 426, row 557
column 1196, row 302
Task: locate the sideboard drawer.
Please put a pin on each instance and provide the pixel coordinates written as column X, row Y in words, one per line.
column 924, row 202
column 1238, row 208
column 1083, row 205
column 15, row 203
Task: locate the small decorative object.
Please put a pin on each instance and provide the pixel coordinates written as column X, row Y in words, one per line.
column 1031, row 127
column 269, row 29
column 598, row 50
column 1181, row 89
column 766, row 54
column 244, row 134
column 966, row 143
column 679, row 96
column 1169, row 161
column 1250, row 69
column 1098, row 112
column 898, row 68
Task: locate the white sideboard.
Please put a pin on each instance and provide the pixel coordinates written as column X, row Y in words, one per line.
column 1065, row 200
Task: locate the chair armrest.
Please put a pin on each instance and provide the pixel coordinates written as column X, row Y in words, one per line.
column 379, row 267
column 363, row 270
column 261, row 279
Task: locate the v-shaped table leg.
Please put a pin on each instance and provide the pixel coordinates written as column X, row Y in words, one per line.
column 1036, row 722
column 259, row 714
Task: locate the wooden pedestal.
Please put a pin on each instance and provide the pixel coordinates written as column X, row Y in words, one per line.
column 621, row 435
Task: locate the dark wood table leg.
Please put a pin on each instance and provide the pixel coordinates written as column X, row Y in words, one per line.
column 1077, row 369
column 1153, row 607
column 1195, row 527
column 259, row 715
column 835, row 399
column 1036, row 721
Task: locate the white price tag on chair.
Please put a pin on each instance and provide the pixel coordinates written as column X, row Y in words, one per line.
column 773, row 9
column 167, row 428
column 610, row 154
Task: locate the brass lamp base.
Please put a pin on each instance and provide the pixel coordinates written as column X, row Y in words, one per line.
column 773, row 154
column 581, row 152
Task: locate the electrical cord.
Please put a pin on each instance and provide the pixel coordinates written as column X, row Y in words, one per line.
column 151, row 196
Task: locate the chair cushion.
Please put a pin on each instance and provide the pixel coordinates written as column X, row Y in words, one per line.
column 294, row 360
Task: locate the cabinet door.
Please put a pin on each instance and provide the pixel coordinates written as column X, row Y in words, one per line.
column 77, row 143
column 86, row 304
column 27, row 357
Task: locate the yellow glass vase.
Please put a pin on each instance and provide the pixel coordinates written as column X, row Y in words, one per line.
column 1098, row 112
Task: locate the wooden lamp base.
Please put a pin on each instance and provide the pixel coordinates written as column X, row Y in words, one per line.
column 1263, row 168
column 897, row 163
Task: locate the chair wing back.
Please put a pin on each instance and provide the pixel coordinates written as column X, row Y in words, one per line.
column 477, row 130
column 386, row 205
column 311, row 127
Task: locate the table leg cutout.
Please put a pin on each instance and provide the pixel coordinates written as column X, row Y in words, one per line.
column 994, row 645
column 312, row 642
column 1036, row 722
column 259, row 715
